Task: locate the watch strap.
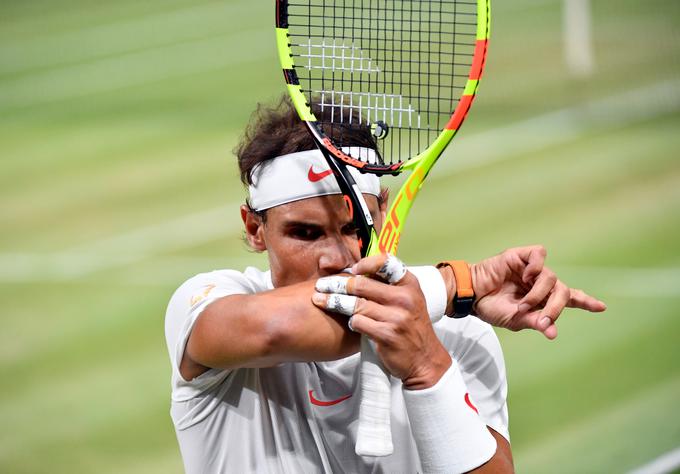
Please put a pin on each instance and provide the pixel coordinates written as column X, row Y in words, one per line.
column 465, row 294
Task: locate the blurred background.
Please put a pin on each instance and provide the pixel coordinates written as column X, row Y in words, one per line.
column 117, row 183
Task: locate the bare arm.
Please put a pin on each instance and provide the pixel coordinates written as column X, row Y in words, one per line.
column 501, row 462
column 265, row 329
column 515, row 290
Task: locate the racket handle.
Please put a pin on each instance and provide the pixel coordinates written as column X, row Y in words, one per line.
column 374, row 435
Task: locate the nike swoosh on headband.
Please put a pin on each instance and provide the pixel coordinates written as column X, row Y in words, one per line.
column 314, row 177
column 324, row 403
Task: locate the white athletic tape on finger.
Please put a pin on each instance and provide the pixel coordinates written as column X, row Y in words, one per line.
column 374, row 434
column 342, row 304
column 393, row 270
column 449, row 434
column 332, row 284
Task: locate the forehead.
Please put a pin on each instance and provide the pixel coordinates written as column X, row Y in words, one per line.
column 321, row 210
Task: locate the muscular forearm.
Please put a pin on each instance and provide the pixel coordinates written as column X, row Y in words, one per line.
column 268, row 328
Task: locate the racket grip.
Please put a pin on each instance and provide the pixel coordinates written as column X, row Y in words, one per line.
column 374, row 435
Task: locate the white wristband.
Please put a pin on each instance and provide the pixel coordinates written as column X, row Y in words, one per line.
column 434, row 289
column 449, row 434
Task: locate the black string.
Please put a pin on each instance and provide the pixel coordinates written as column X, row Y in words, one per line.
column 382, row 56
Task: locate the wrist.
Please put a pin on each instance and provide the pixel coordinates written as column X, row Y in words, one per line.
column 434, row 288
column 449, row 434
column 450, row 283
column 474, row 274
column 426, row 376
column 462, row 293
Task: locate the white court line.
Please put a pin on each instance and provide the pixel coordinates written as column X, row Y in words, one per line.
column 559, row 127
column 104, row 75
column 481, row 149
column 123, row 249
column 626, row 281
column 664, row 464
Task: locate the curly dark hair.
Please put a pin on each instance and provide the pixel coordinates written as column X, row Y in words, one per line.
column 277, row 130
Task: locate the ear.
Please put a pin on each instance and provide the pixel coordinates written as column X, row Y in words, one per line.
column 254, row 228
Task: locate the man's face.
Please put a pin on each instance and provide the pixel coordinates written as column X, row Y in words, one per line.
column 308, row 239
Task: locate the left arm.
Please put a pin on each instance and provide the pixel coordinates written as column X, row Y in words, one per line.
column 515, row 290
column 501, row 462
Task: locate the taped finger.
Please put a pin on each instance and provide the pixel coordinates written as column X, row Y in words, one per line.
column 334, row 284
column 393, row 270
column 342, row 304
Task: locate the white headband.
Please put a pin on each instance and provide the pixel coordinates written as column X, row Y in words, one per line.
column 304, row 175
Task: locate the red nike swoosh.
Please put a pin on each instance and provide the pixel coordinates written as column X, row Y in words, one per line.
column 323, row 403
column 469, row 402
column 314, row 177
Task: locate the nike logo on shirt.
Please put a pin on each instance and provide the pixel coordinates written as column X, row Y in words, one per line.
column 469, row 402
column 324, row 403
column 314, row 177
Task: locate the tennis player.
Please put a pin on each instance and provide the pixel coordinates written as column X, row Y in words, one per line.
column 265, row 363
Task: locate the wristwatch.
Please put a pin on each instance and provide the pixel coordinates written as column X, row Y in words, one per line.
column 465, row 294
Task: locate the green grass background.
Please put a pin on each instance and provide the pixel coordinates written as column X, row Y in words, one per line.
column 117, row 121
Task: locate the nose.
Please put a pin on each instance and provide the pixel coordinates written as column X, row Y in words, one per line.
column 338, row 255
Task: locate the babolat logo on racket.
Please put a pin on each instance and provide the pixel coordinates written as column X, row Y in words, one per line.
column 389, row 236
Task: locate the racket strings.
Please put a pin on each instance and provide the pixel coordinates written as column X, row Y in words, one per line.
column 395, row 68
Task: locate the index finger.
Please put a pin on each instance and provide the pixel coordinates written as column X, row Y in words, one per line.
column 581, row 300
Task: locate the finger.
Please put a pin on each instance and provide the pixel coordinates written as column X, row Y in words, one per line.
column 386, row 266
column 535, row 263
column 540, row 290
column 335, row 303
column 360, row 286
column 581, row 300
column 334, row 284
column 557, row 301
column 551, row 331
column 365, row 326
column 537, row 321
column 393, row 270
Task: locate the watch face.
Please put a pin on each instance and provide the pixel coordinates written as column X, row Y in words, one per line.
column 462, row 307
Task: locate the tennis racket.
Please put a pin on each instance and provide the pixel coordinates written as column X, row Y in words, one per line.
column 407, row 71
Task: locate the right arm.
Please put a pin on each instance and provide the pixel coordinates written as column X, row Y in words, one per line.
column 265, row 329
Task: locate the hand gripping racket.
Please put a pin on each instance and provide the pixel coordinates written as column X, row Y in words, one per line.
column 407, row 71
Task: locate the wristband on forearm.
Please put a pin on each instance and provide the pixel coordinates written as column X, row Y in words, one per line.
column 464, row 297
column 449, row 434
column 434, row 290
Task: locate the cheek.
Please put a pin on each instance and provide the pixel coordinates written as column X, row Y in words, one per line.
column 294, row 260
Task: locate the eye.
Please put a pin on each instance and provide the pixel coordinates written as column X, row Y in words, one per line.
column 350, row 229
column 305, row 232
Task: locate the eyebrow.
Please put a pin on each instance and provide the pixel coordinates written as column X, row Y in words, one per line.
column 295, row 223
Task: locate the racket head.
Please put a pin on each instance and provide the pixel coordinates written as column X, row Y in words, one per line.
column 406, row 71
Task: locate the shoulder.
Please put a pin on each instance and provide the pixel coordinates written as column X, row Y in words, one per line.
column 225, row 281
column 195, row 294
column 200, row 290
